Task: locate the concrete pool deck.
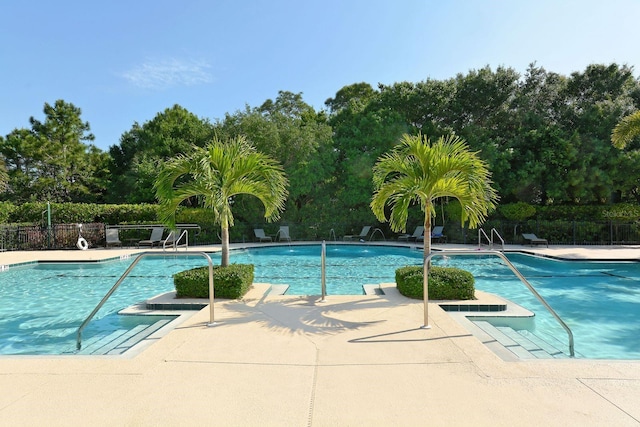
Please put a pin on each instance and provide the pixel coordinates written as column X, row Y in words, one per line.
column 295, row 361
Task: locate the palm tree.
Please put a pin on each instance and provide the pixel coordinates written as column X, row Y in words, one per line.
column 215, row 174
column 419, row 171
column 627, row 129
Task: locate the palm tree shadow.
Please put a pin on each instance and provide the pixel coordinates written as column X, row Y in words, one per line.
column 306, row 314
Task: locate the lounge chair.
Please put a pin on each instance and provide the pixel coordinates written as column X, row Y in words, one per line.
column 534, row 240
column 154, row 239
column 260, row 236
column 362, row 236
column 283, row 233
column 112, row 237
column 436, row 234
column 417, row 233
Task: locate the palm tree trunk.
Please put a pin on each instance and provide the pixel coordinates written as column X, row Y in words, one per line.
column 427, row 230
column 224, row 261
column 425, row 266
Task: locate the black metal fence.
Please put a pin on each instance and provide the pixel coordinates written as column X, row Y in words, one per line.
column 556, row 232
column 65, row 236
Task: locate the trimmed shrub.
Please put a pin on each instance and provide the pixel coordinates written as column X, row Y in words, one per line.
column 445, row 283
column 230, row 282
column 517, row 211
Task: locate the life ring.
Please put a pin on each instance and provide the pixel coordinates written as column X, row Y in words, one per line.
column 82, row 244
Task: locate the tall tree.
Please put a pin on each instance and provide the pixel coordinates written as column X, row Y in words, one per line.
column 418, row 171
column 144, row 148
column 216, row 174
column 4, row 176
column 364, row 127
column 51, row 161
column 293, row 133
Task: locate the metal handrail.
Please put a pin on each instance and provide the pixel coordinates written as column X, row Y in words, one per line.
column 381, row 233
column 427, row 264
column 494, row 231
column 323, row 267
column 126, row 273
column 480, row 233
column 176, row 242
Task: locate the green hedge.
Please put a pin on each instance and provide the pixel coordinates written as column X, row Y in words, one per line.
column 230, row 282
column 445, row 283
column 69, row 213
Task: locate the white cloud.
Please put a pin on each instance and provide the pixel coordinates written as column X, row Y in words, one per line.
column 168, row 73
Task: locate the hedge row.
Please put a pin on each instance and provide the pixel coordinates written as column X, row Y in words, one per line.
column 445, row 283
column 35, row 212
column 230, row 282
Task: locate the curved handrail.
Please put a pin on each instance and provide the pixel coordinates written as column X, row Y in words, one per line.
column 494, row 231
column 427, row 264
column 381, row 233
column 126, row 273
column 480, row 234
column 176, row 242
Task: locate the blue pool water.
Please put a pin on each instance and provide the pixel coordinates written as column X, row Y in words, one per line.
column 599, row 301
column 41, row 306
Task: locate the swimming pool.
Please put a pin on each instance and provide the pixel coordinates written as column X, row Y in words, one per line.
column 42, row 305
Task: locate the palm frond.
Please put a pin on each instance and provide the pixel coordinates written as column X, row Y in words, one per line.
column 419, row 171
column 626, row 130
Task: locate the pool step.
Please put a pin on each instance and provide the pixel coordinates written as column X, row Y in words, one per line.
column 527, row 346
column 120, row 340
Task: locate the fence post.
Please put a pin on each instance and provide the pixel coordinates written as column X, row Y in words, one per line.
column 611, row 232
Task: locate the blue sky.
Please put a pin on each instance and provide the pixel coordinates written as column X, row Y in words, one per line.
column 124, row 61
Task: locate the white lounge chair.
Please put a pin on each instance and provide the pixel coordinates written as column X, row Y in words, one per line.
column 154, row 239
column 534, row 240
column 362, row 236
column 260, row 236
column 283, row 233
column 417, row 233
column 112, row 237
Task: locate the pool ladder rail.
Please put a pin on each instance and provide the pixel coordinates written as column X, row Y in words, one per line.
column 174, row 243
column 427, row 265
column 493, row 232
column 126, row 273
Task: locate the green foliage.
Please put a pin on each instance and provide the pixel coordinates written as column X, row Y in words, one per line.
column 445, row 283
column 626, row 130
column 6, row 212
column 51, row 161
column 215, row 175
column 300, row 139
column 517, row 211
column 144, row 148
column 232, row 281
column 69, row 213
column 546, row 137
column 623, row 211
column 419, row 172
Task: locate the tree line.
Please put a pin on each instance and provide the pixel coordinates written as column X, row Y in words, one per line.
column 545, row 136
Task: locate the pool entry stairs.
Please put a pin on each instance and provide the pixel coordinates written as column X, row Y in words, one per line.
column 79, row 346
column 523, row 344
column 120, row 340
column 507, row 336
